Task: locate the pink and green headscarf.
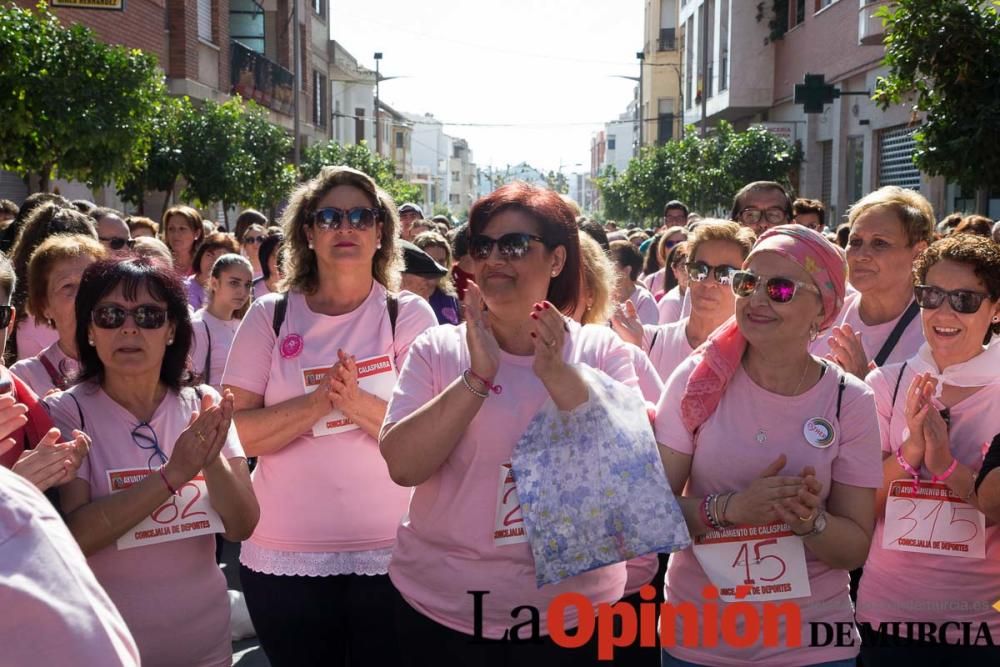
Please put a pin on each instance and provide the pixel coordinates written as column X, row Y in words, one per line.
column 722, row 353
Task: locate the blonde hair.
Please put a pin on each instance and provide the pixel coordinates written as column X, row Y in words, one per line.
column 53, row 250
column 434, row 240
column 914, row 211
column 714, row 229
column 599, row 278
column 661, row 245
column 299, row 267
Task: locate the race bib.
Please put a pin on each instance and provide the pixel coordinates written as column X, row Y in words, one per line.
column 187, row 514
column 754, row 563
column 377, row 376
column 932, row 520
column 509, row 525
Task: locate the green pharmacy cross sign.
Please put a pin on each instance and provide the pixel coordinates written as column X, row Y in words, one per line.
column 815, row 93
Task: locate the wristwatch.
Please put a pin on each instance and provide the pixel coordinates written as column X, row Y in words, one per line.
column 819, row 525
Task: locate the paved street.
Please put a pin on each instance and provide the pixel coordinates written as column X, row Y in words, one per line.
column 246, row 653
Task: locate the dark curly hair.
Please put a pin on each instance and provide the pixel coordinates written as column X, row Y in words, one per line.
column 979, row 252
column 101, row 278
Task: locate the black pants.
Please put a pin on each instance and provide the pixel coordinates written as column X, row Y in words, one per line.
column 339, row 620
column 879, row 649
column 429, row 644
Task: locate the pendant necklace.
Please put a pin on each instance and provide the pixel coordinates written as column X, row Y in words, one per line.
column 761, row 435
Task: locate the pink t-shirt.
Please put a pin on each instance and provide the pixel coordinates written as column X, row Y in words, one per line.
column 54, row 611
column 172, row 594
column 906, row 586
column 645, row 305
column 34, row 373
column 642, row 569
column 313, row 490
column 195, row 292
column 668, row 346
column 446, row 545
column 260, row 289
column 655, row 282
column 727, row 457
column 32, row 337
column 873, row 337
column 222, row 333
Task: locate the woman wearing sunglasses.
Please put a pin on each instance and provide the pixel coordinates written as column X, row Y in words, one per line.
column 250, row 246
column 777, row 454
column 311, row 370
column 656, row 282
column 166, row 471
column 54, row 274
column 716, row 250
column 466, row 395
column 889, row 229
column 932, row 545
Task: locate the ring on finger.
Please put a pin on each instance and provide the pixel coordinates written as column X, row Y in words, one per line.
column 811, row 516
column 550, row 343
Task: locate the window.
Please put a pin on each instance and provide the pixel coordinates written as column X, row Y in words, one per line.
column 796, row 12
column 455, row 200
column 319, row 8
column 668, row 25
column 823, row 4
column 895, row 158
column 664, row 121
column 723, row 45
column 689, row 46
column 456, row 177
column 319, row 99
column 611, row 142
column 711, row 50
column 399, row 140
column 359, row 125
column 205, row 20
column 246, row 24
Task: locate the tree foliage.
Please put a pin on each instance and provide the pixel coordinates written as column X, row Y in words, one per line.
column 360, row 157
column 164, row 163
column 702, row 172
column 946, row 54
column 72, row 106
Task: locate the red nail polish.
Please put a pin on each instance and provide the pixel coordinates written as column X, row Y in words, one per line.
column 534, row 335
column 538, row 307
column 546, row 305
column 534, row 316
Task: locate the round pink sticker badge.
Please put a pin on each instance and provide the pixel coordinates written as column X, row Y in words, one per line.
column 291, row 346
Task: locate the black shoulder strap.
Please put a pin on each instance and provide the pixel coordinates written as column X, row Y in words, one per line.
column 79, row 411
column 198, row 393
column 895, row 391
column 840, row 392
column 897, row 332
column 208, row 355
column 653, row 341
column 280, row 308
column 392, row 305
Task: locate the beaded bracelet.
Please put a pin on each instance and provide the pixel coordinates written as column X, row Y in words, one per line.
column 163, row 476
column 705, row 516
column 468, row 385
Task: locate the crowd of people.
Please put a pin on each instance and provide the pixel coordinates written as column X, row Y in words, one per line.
column 345, row 393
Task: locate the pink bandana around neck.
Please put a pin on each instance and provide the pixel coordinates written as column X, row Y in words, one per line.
column 722, row 352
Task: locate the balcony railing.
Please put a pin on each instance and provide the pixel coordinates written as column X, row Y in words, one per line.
column 668, row 39
column 258, row 78
column 871, row 32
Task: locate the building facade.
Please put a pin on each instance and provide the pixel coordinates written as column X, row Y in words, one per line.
column 662, row 93
column 352, row 97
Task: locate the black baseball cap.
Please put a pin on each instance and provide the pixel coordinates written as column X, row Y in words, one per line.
column 410, row 206
column 419, row 263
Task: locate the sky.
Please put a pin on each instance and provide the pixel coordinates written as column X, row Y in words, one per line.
column 520, row 80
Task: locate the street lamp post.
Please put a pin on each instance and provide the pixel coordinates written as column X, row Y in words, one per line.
column 378, row 115
column 639, row 113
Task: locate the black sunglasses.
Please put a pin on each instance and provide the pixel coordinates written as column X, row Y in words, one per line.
column 961, row 300
column 510, row 246
column 699, row 272
column 117, row 242
column 5, row 313
column 113, row 317
column 253, row 239
column 359, row 218
column 779, row 290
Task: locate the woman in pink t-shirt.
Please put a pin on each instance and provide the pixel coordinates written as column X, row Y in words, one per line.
column 216, row 323
column 450, row 432
column 716, row 249
column 777, row 454
column 212, row 248
column 312, row 369
column 183, row 233
column 166, row 471
column 878, row 324
column 53, row 279
column 935, row 559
